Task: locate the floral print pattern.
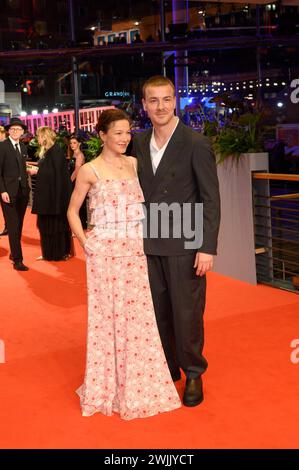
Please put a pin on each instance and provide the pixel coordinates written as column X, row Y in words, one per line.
column 126, row 370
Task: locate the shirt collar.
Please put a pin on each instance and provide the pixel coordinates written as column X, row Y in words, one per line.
column 13, row 141
column 153, row 140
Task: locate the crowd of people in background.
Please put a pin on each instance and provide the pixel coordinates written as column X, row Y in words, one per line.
column 54, row 169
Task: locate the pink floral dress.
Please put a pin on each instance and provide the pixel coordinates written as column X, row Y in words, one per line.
column 126, row 370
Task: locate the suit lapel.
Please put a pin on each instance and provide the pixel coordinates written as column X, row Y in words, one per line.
column 147, row 155
column 146, row 162
column 172, row 152
column 13, row 150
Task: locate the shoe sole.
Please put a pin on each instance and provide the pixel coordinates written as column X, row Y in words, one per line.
column 193, row 403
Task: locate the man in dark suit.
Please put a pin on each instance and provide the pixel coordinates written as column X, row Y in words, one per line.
column 3, row 137
column 176, row 166
column 14, row 188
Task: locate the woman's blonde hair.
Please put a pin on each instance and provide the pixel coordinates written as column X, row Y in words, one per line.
column 2, row 130
column 49, row 138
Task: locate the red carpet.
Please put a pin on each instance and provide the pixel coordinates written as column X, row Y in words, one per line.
column 251, row 386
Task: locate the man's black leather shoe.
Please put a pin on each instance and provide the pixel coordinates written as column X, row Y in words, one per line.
column 4, row 232
column 193, row 394
column 19, row 266
column 176, row 376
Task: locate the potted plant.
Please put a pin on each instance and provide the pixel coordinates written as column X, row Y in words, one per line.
column 239, row 151
column 237, row 137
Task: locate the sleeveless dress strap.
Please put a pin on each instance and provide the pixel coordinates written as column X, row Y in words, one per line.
column 135, row 169
column 95, row 171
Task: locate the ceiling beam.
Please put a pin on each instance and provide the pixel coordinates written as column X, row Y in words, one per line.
column 203, row 44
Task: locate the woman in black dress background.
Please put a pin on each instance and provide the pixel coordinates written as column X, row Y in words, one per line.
column 51, row 198
column 76, row 160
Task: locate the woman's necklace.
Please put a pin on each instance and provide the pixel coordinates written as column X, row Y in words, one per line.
column 119, row 166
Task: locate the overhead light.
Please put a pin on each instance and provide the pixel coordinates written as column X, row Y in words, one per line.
column 55, row 110
column 279, row 104
column 93, row 28
column 45, row 111
column 136, row 23
column 34, row 112
column 23, row 113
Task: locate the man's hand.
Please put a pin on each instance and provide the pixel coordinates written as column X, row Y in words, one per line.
column 203, row 263
column 5, row 197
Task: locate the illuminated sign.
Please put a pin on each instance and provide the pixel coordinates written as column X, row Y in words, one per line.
column 117, row 94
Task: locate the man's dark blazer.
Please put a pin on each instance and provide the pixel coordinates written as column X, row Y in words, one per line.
column 186, row 174
column 9, row 169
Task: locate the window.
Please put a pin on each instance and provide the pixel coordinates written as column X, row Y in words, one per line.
column 88, row 84
column 65, row 84
column 13, row 4
column 101, row 40
column 13, row 23
column 133, row 33
column 40, row 27
column 111, row 37
column 123, row 34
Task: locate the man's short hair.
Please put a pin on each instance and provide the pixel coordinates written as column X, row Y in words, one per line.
column 157, row 80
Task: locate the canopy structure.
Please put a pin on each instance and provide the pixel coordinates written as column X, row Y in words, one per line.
column 254, row 2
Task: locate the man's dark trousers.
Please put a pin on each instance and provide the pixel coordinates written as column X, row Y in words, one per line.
column 14, row 213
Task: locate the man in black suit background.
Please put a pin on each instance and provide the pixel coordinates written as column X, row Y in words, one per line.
column 176, row 165
column 3, row 137
column 14, row 188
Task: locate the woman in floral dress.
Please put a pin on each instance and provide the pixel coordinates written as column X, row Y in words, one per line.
column 126, row 370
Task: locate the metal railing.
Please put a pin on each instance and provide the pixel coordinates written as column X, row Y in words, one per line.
column 88, row 119
column 276, row 224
